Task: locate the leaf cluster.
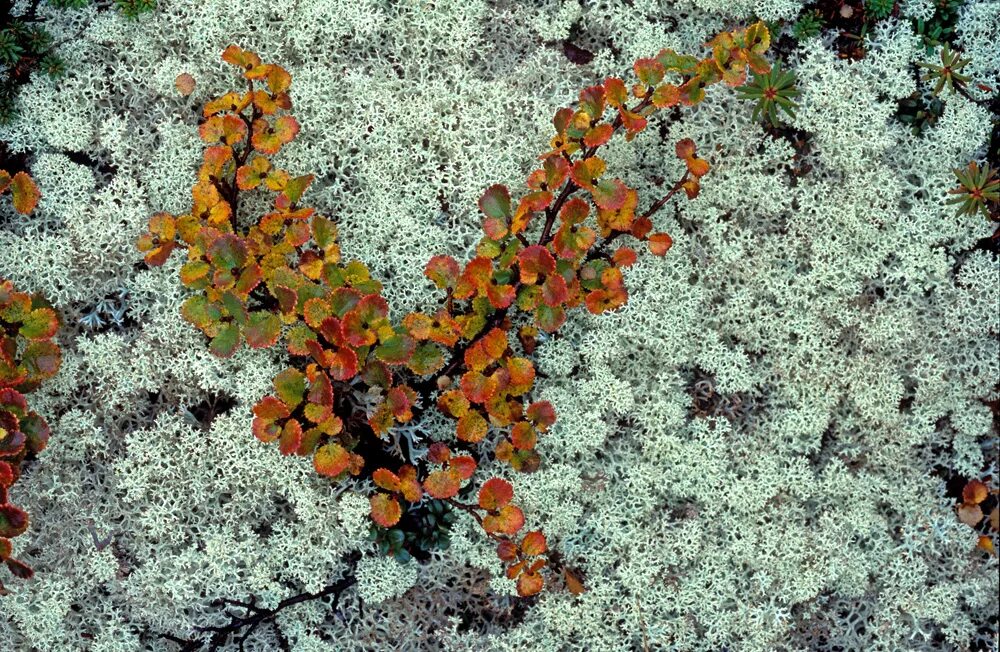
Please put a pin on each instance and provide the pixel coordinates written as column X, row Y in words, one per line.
column 975, row 496
column 771, row 91
column 282, row 278
column 978, row 190
column 27, row 357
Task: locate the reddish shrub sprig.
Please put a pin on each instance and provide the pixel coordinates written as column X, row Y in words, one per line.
column 27, row 357
column 284, row 275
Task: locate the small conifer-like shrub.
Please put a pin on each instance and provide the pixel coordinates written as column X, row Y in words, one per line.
column 352, row 373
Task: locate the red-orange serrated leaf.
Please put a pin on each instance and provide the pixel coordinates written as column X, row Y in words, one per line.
column 331, row 460
column 592, row 101
column 584, row 173
column 290, row 386
column 523, row 436
column 610, row 194
column 231, row 101
column 386, row 479
column 542, row 414
column 660, row 243
column 386, row 510
column 529, row 584
column 527, row 207
column 615, row 92
column 271, row 409
column 396, row 350
column 975, row 492
column 239, row 57
column 533, row 261
column 649, row 71
column 633, row 123
column 24, row 193
column 574, row 211
column 598, row 135
column 508, row 520
column 443, row 484
column 227, row 129
column 13, row 521
column 268, row 138
column 534, row 544
column 521, row 371
column 549, row 318
column 506, row 550
column 495, row 493
column 453, row 403
column 624, row 257
column 252, row 175
column 291, row 438
column 471, row 427
column 619, row 219
column 985, row 544
column 641, row 227
column 477, row 387
column 443, row 271
column 409, row 485
column 39, row 324
column 666, row 95
column 262, row 329
column 698, row 167
column 684, row 149
column 691, row 188
column 463, row 465
column 438, row 453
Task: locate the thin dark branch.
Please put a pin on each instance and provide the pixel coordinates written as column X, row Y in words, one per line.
column 242, row 627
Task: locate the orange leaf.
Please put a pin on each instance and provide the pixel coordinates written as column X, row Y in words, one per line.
column 386, row 479
column 529, row 584
column 523, row 436
column 443, row 484
column 534, row 543
column 508, row 520
column 495, row 494
column 472, row 427
column 598, row 135
column 385, row 510
column 24, row 193
column 975, row 492
column 660, row 243
column 331, row 460
column 573, row 583
column 240, row 57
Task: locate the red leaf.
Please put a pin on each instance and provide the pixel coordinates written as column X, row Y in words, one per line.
column 541, row 414
column 495, row 493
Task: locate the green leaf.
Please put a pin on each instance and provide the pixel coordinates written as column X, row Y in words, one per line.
column 40, row 324
column 396, row 350
column 495, row 202
column 262, row 330
column 224, row 344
